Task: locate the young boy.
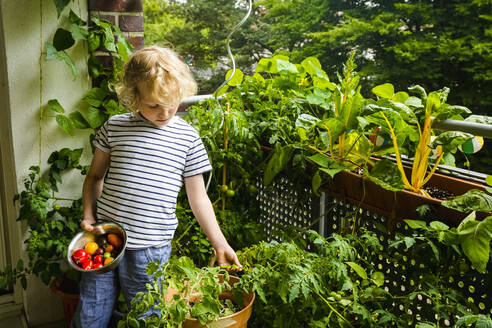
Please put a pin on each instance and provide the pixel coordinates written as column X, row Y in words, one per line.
column 141, row 161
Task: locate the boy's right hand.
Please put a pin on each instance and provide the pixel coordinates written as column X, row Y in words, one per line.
column 87, row 224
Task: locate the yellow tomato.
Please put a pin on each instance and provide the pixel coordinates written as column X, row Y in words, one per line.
column 91, row 247
column 108, row 260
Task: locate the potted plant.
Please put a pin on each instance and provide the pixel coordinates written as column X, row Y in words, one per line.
column 183, row 295
column 52, row 221
column 398, row 123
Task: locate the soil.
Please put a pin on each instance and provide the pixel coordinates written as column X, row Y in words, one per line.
column 438, row 193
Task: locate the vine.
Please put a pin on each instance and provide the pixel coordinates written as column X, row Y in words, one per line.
column 52, row 225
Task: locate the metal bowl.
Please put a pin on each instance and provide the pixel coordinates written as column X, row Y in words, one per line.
column 83, row 237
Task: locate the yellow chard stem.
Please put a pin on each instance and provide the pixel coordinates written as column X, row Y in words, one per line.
column 417, row 154
column 422, row 169
column 397, row 155
column 433, row 168
column 419, row 166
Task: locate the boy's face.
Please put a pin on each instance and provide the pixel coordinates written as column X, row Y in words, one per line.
column 150, row 108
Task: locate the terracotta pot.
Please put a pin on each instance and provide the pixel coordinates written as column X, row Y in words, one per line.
column 360, row 191
column 236, row 320
column 69, row 301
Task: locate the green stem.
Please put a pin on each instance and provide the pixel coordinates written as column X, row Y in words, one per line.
column 332, row 308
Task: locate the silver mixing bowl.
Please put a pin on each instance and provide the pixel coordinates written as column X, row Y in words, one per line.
column 83, row 237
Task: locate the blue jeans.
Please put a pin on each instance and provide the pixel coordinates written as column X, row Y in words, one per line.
column 99, row 291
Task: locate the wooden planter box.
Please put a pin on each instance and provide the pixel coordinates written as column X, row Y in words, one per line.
column 360, row 191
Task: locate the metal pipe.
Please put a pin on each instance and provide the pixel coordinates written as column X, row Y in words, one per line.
column 477, row 129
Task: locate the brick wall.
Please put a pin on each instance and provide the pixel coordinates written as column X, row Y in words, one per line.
column 127, row 15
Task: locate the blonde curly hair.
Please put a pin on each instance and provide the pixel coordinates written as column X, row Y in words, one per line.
column 161, row 71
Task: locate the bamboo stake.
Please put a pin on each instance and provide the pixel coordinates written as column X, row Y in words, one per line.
column 226, row 144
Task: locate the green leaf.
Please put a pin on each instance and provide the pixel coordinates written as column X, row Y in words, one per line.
column 358, row 269
column 65, row 124
column 95, row 97
column 414, row 102
column 384, row 90
column 438, row 225
column 450, row 140
column 378, row 278
column 483, row 321
column 79, row 33
column 55, row 106
column 124, row 48
column 475, row 240
column 472, row 200
column 221, row 91
column 96, row 117
column 63, row 39
column 400, row 97
column 60, row 5
column 334, row 127
column 78, row 121
column 488, row 179
column 51, row 52
column 386, row 174
column 108, row 39
column 236, row 79
column 62, row 55
column 424, row 325
column 313, row 67
column 75, row 19
column 321, row 160
column 315, row 99
column 94, row 41
column 278, row 161
column 416, row 224
column 285, row 65
column 306, row 121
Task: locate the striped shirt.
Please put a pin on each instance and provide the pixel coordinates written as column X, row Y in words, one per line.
column 145, row 174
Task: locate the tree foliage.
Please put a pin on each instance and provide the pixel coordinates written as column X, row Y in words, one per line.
column 427, row 42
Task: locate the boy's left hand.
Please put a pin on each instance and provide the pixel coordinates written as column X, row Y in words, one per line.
column 227, row 257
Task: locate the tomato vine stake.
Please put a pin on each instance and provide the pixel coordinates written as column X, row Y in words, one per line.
column 226, row 145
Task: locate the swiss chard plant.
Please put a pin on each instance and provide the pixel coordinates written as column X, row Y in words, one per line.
column 407, row 121
column 338, row 141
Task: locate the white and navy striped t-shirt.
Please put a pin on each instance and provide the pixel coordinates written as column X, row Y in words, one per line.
column 145, row 174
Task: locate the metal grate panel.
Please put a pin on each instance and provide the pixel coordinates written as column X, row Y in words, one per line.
column 283, row 204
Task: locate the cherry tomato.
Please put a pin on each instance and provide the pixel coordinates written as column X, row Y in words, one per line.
column 97, row 265
column 79, row 255
column 106, row 255
column 108, row 260
column 114, row 240
column 91, row 247
column 224, row 188
column 87, row 265
column 109, row 249
column 98, row 259
column 100, row 251
column 230, row 193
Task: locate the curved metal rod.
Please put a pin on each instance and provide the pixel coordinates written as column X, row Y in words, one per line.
column 229, row 48
column 229, row 52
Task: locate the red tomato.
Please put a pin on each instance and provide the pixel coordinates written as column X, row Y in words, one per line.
column 98, row 259
column 87, row 265
column 79, row 256
column 97, row 265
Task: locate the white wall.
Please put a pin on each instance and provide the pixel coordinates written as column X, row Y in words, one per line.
column 28, row 24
